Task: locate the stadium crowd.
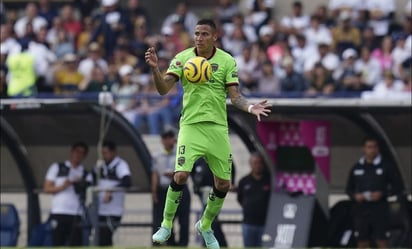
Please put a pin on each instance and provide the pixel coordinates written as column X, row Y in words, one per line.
column 345, row 48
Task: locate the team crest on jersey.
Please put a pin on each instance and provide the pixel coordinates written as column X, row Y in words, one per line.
column 178, row 63
column 181, row 160
column 214, row 66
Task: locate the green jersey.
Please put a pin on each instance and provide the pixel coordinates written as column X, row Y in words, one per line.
column 205, row 102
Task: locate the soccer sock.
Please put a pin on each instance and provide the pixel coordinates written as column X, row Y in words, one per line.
column 213, row 207
column 173, row 197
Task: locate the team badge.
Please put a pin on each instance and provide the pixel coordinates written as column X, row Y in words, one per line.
column 178, row 63
column 215, row 67
column 181, row 160
column 212, row 196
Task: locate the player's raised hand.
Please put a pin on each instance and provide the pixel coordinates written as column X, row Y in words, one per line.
column 261, row 108
column 151, row 57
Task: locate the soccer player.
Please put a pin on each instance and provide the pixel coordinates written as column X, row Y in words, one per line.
column 203, row 125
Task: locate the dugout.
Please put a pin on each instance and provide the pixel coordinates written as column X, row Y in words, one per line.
column 36, row 132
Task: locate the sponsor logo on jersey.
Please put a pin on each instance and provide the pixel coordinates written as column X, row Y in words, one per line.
column 181, row 160
column 215, row 67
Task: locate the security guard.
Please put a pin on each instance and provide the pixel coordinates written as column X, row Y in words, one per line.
column 370, row 182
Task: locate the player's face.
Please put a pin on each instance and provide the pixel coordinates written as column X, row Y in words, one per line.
column 77, row 155
column 371, row 149
column 108, row 155
column 204, row 37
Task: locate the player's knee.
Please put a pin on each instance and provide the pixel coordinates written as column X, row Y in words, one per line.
column 180, row 177
column 222, row 186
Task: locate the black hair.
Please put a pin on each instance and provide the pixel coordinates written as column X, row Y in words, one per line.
column 80, row 144
column 370, row 138
column 110, row 145
column 208, row 22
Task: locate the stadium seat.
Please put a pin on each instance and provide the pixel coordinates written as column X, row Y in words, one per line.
column 400, row 225
column 41, row 235
column 10, row 225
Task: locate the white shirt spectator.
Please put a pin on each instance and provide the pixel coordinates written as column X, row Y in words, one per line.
column 371, row 70
column 399, row 54
column 65, row 201
column 353, row 6
column 297, row 22
column 316, row 36
column 116, row 206
column 20, row 26
column 43, row 58
column 10, row 46
column 380, row 26
column 301, row 55
column 330, row 61
column 248, row 30
column 86, row 66
column 257, row 17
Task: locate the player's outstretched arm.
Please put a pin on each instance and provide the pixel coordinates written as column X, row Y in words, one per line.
column 258, row 109
column 163, row 83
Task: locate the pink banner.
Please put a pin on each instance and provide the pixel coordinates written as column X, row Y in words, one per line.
column 313, row 134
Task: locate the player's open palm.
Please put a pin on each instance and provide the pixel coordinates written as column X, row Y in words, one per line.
column 261, row 108
column 151, row 57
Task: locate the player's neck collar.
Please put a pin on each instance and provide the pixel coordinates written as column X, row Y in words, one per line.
column 213, row 53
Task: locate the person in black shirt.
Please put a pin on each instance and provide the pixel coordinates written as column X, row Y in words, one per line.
column 370, row 182
column 253, row 196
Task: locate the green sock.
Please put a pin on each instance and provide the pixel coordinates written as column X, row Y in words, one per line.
column 213, row 207
column 172, row 202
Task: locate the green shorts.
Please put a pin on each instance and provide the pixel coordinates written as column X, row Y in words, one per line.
column 208, row 140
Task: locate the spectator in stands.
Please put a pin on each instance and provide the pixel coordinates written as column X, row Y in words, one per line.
column 66, row 182
column 400, row 53
column 248, row 67
column 86, row 7
column 268, row 83
column 156, row 112
column 293, row 82
column 381, row 13
column 97, row 82
column 383, row 53
column 47, row 11
column 93, row 59
column 31, row 17
column 70, row 23
column 323, row 14
column 135, row 11
column 138, row 43
column 66, row 78
column 63, row 45
column 182, row 12
column 253, row 195
column 259, row 12
column 346, row 69
column 344, row 34
column 350, row 6
column 302, row 52
column 369, row 66
column 369, row 39
column 52, row 32
column 113, row 173
column 122, row 56
column 238, row 22
column 111, row 23
column 370, row 182
column 162, row 174
column 295, row 23
column 21, row 74
column 203, row 181
column 320, row 81
column 84, row 36
column 124, row 91
column 225, row 10
column 316, row 32
column 324, row 55
column 388, row 87
column 355, row 84
column 8, row 43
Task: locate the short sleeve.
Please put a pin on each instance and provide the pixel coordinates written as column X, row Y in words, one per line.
column 232, row 73
column 176, row 67
column 51, row 174
column 122, row 170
